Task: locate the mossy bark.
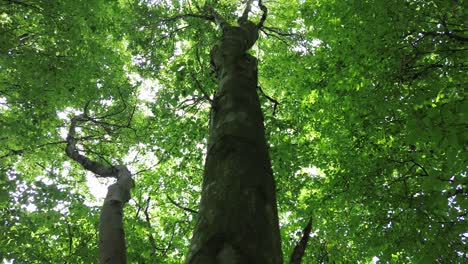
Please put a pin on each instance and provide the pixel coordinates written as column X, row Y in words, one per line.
column 237, row 219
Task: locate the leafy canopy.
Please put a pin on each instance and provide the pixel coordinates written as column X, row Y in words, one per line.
column 368, row 137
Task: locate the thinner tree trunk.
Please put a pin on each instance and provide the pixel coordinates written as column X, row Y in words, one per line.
column 112, row 248
column 237, row 219
column 299, row 249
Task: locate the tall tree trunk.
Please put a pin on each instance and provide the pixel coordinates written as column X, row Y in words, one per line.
column 237, row 219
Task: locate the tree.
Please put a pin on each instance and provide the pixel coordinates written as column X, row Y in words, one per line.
column 238, row 219
column 363, row 110
column 112, row 247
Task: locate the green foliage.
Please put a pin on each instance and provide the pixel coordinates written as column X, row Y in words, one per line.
column 368, row 138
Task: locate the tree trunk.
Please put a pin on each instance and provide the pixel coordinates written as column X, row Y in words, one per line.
column 237, row 219
column 299, row 249
column 112, row 249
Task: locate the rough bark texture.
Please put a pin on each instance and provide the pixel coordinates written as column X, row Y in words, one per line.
column 299, row 249
column 112, row 247
column 237, row 219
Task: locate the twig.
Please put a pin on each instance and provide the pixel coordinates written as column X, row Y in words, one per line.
column 97, row 154
column 70, row 238
column 275, row 36
column 171, row 33
column 171, row 241
column 165, row 155
column 40, row 10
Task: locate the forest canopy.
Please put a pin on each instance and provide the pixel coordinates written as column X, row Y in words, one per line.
column 364, row 111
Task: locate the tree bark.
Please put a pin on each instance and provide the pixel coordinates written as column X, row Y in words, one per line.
column 237, row 220
column 112, row 248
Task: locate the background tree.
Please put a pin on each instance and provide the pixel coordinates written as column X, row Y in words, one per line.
column 112, row 248
column 368, row 136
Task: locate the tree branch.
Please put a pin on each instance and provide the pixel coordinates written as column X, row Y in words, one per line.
column 40, row 10
column 21, row 151
column 264, row 15
column 245, row 14
column 70, row 238
column 72, row 152
column 280, row 33
column 218, row 18
column 185, row 16
column 299, row 249
column 180, row 206
column 200, row 87
column 150, row 235
column 275, row 102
